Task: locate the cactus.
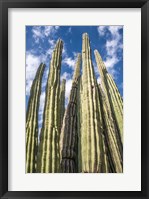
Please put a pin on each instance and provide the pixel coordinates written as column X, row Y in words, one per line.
column 88, row 136
column 116, row 103
column 69, row 128
column 62, row 101
column 49, row 151
column 111, row 132
column 107, row 167
column 112, row 94
column 32, row 121
column 91, row 125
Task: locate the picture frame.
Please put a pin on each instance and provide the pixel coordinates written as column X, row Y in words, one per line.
column 4, row 95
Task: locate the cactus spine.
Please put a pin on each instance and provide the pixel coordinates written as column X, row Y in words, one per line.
column 112, row 134
column 62, row 101
column 91, row 121
column 69, row 128
column 49, row 152
column 32, row 122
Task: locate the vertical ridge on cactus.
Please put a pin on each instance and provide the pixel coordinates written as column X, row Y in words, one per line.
column 69, row 135
column 62, row 101
column 49, row 152
column 112, row 133
column 32, row 121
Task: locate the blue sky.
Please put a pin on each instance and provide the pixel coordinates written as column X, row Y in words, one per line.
column 40, row 42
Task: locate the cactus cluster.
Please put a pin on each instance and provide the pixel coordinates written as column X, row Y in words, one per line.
column 87, row 137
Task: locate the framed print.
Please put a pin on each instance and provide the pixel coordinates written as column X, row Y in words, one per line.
column 74, row 99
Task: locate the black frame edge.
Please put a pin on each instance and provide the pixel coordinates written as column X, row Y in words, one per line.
column 3, row 101
column 4, row 5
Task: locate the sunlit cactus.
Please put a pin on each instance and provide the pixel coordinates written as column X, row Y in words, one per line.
column 112, row 134
column 69, row 134
column 49, row 151
column 32, row 121
column 112, row 93
column 91, row 125
column 87, row 137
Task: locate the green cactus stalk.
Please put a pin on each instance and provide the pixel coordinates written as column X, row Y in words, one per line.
column 105, row 165
column 112, row 93
column 117, row 104
column 107, row 122
column 49, row 150
column 91, row 125
column 32, row 121
column 69, row 143
column 62, row 101
column 79, row 122
column 112, row 135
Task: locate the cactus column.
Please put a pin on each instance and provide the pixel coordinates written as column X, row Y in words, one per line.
column 91, row 128
column 69, row 128
column 32, row 121
column 62, row 101
column 112, row 93
column 49, row 152
column 112, row 134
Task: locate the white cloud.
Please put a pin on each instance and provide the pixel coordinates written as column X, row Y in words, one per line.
column 101, row 30
column 75, row 54
column 112, row 46
column 41, row 32
column 28, row 87
column 67, row 92
column 50, row 51
column 115, row 30
column 64, row 51
column 98, row 80
column 69, row 61
column 51, row 42
column 50, row 30
column 32, row 64
column 111, row 61
column 68, row 78
column 42, row 101
column 95, row 69
column 37, row 33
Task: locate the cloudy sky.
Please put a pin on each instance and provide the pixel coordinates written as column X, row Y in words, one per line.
column 40, row 42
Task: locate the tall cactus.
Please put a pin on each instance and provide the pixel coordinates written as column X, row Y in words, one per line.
column 69, row 129
column 112, row 93
column 111, row 132
column 91, row 125
column 49, row 151
column 32, row 121
column 62, row 101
